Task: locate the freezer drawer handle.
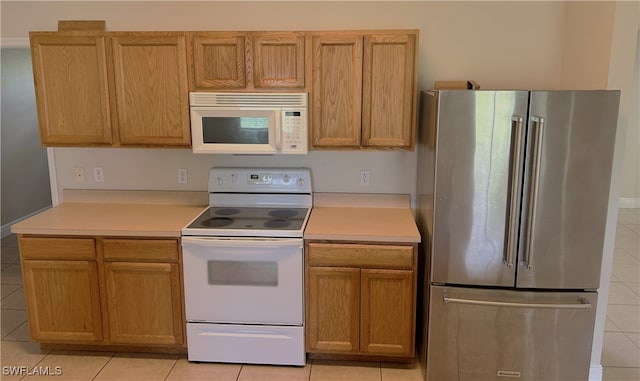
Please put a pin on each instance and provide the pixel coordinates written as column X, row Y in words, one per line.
column 535, row 181
column 583, row 304
column 514, row 190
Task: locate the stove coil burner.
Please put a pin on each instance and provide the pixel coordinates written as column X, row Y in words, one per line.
column 227, row 211
column 277, row 223
column 218, row 222
column 283, row 213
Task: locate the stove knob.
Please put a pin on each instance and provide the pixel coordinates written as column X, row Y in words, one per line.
column 220, row 180
column 286, row 178
column 300, row 182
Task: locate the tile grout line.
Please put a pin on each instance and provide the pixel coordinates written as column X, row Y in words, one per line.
column 104, row 366
column 172, row 367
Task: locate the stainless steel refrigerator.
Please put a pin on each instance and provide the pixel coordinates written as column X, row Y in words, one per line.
column 513, row 188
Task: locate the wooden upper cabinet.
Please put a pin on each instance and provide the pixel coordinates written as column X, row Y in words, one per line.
column 278, row 60
column 151, row 89
column 389, row 90
column 218, row 60
column 336, row 94
column 71, row 86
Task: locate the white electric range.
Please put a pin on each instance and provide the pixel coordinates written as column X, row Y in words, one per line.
column 243, row 266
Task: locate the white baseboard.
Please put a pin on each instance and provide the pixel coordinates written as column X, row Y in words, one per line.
column 6, row 228
column 595, row 372
column 633, row 203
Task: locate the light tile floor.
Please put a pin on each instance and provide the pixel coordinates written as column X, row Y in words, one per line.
column 620, row 357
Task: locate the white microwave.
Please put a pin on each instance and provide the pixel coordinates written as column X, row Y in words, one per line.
column 249, row 123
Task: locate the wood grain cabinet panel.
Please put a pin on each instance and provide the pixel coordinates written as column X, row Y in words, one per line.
column 336, row 94
column 389, row 91
column 333, row 309
column 387, row 302
column 63, row 301
column 71, row 86
column 104, row 291
column 364, row 90
column 144, row 303
column 363, row 309
column 218, row 60
column 278, row 60
column 151, row 89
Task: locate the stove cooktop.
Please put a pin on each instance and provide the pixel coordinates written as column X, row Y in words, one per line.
column 258, row 221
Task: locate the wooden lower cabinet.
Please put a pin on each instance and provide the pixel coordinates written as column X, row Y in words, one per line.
column 333, row 305
column 123, row 292
column 387, row 323
column 360, row 299
column 63, row 301
column 143, row 302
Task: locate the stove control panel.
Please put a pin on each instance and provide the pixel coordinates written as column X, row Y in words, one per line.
column 260, row 180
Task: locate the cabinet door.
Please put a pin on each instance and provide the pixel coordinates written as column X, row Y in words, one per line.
column 144, row 303
column 63, row 301
column 333, row 305
column 219, row 61
column 387, row 312
column 336, row 90
column 389, row 90
column 71, row 86
column 151, row 89
column 278, row 60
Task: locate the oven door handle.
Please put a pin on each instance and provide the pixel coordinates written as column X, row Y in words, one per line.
column 242, row 242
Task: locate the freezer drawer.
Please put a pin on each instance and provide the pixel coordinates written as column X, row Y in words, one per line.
column 485, row 334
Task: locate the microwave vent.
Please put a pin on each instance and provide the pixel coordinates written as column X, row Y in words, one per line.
column 248, row 99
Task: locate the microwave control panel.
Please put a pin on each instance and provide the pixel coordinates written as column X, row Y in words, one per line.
column 294, row 131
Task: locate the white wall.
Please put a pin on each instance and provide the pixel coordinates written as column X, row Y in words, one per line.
column 623, row 58
column 25, row 176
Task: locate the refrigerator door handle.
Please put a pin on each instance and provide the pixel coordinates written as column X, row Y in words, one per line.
column 538, row 122
column 514, row 189
column 582, row 304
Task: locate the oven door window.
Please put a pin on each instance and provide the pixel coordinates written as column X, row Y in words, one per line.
column 243, row 273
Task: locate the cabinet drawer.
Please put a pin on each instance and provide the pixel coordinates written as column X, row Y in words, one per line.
column 354, row 255
column 57, row 248
column 140, row 250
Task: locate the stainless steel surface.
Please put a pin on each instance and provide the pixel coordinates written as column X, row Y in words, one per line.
column 515, row 188
column 471, row 211
column 538, row 128
column 485, row 193
column 484, row 342
column 572, row 194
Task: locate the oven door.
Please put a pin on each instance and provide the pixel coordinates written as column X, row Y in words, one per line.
column 236, row 131
column 243, row 280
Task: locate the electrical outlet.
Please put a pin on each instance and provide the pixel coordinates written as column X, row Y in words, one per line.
column 183, row 176
column 98, row 174
column 365, row 178
column 78, row 174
